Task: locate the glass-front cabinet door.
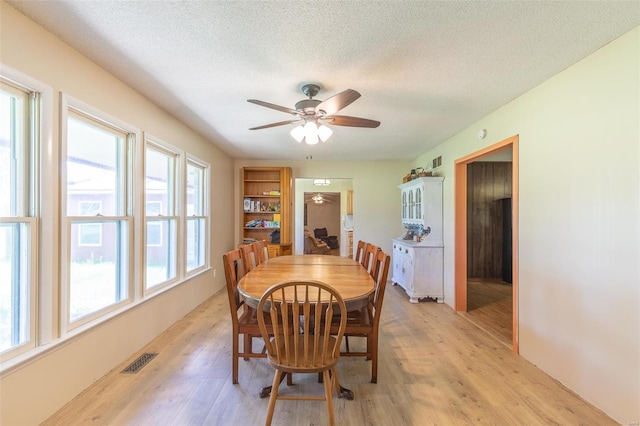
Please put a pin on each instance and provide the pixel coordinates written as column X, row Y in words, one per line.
column 418, row 205
column 404, row 205
column 411, row 205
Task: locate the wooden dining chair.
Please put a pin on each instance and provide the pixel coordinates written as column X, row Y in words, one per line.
column 360, row 249
column 300, row 313
column 366, row 322
column 243, row 318
column 369, row 256
column 260, row 251
column 248, row 257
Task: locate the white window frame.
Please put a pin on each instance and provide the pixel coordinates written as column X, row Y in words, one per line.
column 70, row 105
column 204, row 214
column 171, row 217
column 26, row 208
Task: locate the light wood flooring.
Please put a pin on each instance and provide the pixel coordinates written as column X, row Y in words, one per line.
column 490, row 307
column 435, row 368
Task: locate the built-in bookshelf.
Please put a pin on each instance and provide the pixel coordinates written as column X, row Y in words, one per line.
column 266, row 206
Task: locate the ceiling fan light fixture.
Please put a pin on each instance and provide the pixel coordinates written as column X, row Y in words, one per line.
column 324, row 133
column 298, row 133
column 314, row 113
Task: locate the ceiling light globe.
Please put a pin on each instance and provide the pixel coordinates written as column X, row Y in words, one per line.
column 311, row 133
column 324, row 132
column 297, row 133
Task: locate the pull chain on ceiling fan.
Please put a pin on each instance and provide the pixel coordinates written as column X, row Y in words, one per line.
column 313, row 115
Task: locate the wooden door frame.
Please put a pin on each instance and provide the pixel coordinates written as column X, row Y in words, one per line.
column 460, row 214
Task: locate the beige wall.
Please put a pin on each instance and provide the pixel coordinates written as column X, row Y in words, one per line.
column 32, row 391
column 579, row 277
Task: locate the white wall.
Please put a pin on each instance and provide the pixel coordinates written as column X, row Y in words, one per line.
column 579, row 223
column 32, row 391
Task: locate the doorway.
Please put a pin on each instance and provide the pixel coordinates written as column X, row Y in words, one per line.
column 462, row 168
column 340, row 223
column 322, row 218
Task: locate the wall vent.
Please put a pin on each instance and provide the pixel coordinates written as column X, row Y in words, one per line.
column 436, row 162
column 137, row 365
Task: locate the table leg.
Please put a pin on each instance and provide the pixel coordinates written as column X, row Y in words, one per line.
column 266, row 391
column 344, row 392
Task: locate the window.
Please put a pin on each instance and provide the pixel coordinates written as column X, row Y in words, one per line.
column 19, row 128
column 196, row 215
column 153, row 208
column 161, row 219
column 90, row 234
column 89, row 208
column 98, row 217
column 154, row 234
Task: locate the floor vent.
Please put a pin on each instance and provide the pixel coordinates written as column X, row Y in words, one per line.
column 137, row 365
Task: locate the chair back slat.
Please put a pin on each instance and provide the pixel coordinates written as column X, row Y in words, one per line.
column 369, row 256
column 261, row 251
column 248, row 257
column 360, row 249
column 301, row 313
column 381, row 272
column 233, row 271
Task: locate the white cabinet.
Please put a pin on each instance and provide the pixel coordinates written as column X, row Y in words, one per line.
column 403, row 266
column 419, row 270
column 418, row 265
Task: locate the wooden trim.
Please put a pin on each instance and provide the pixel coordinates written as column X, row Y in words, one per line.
column 514, row 242
column 460, row 223
column 460, row 237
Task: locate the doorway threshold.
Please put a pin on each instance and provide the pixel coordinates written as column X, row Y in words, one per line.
column 487, row 329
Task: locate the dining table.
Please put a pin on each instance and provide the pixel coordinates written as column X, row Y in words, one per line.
column 350, row 279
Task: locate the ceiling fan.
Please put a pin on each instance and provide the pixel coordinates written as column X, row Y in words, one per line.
column 312, row 115
column 321, row 197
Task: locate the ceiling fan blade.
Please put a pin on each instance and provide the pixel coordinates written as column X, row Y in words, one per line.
column 337, row 102
column 345, row 120
column 274, row 106
column 279, row 123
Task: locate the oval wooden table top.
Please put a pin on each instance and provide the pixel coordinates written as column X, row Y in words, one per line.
column 348, row 277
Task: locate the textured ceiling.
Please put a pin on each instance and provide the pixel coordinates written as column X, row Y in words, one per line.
column 425, row 69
